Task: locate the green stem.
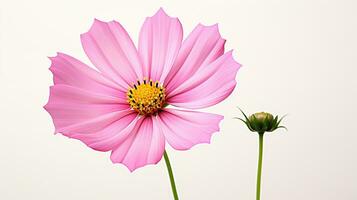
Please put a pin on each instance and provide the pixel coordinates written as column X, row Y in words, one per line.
column 172, row 180
column 260, row 163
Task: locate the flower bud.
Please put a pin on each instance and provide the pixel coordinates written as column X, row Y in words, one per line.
column 261, row 116
column 262, row 122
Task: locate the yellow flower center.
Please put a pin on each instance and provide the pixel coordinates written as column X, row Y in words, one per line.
column 146, row 97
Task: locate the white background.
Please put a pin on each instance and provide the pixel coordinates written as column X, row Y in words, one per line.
column 299, row 58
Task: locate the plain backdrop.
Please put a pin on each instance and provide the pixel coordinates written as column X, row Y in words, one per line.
column 299, row 58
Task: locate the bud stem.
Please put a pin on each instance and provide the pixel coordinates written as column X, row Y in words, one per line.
column 260, row 163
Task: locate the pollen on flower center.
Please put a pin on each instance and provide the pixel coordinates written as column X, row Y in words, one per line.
column 146, row 97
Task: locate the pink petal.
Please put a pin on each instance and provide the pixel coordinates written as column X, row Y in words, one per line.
column 184, row 129
column 200, row 48
column 70, row 105
column 111, row 50
column 114, row 134
column 159, row 42
column 103, row 133
column 70, row 71
column 144, row 146
column 85, row 105
column 208, row 86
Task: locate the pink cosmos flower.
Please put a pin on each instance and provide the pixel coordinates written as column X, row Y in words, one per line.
column 122, row 107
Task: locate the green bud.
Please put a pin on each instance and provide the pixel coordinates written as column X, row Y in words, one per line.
column 262, row 122
column 261, row 116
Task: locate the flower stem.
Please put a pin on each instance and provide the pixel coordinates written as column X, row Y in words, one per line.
column 172, row 180
column 260, row 163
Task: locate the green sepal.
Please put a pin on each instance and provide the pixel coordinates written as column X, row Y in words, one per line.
column 245, row 122
column 245, row 116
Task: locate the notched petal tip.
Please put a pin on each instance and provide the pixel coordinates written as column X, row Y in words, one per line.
column 230, row 53
column 52, row 58
column 231, row 58
column 161, row 14
column 161, row 11
column 213, row 28
column 58, row 55
column 130, row 167
column 45, row 106
column 220, row 120
column 96, row 22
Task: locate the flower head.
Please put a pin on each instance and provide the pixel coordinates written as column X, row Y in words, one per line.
column 121, row 105
column 262, row 122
